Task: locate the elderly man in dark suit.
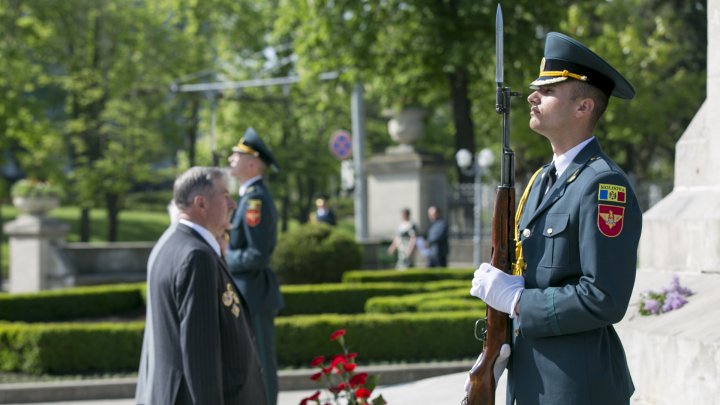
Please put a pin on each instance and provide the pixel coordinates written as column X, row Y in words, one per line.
column 198, row 347
column 253, row 235
column 578, row 230
column 437, row 239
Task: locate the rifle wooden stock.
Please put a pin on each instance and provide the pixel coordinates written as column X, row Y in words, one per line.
column 483, row 387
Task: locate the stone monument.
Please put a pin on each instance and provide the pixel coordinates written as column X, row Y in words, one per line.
column 675, row 357
column 403, row 177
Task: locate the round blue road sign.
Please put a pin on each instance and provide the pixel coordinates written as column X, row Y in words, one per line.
column 341, row 145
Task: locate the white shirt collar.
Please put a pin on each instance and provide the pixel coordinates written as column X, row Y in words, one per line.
column 563, row 161
column 209, row 238
column 244, row 186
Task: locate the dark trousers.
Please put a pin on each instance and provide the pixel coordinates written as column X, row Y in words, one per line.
column 264, row 329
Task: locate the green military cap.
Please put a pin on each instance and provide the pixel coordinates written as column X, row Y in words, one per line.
column 566, row 58
column 251, row 144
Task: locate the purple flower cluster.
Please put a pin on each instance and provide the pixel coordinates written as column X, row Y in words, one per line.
column 668, row 299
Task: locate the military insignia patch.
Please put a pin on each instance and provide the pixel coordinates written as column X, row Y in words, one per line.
column 610, row 219
column 252, row 213
column 612, row 193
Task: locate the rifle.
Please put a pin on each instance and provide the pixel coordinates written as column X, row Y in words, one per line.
column 482, row 391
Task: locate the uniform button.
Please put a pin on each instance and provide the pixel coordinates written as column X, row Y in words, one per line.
column 526, row 233
column 549, row 231
column 517, row 332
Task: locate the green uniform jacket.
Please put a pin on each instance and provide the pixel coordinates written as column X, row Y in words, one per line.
column 252, row 240
column 580, row 246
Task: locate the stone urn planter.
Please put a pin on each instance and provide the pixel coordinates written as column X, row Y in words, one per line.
column 406, row 126
column 36, row 206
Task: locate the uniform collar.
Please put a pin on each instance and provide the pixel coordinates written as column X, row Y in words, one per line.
column 562, row 162
column 247, row 184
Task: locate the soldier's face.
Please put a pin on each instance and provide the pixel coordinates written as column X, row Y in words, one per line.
column 241, row 165
column 551, row 109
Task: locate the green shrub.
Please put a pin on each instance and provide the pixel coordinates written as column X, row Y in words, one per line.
column 372, row 276
column 338, row 298
column 412, row 302
column 90, row 347
column 72, row 303
column 452, row 304
column 315, row 253
column 70, row 347
column 379, row 337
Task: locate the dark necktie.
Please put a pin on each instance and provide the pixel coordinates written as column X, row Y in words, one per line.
column 547, row 181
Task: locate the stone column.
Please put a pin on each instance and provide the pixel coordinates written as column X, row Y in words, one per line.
column 675, row 357
column 35, row 243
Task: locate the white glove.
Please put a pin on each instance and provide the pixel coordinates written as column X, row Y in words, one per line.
column 497, row 288
column 498, row 368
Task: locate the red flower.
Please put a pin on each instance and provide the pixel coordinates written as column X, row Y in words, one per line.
column 337, row 334
column 358, row 379
column 318, row 360
column 327, row 370
column 337, row 360
column 362, row 392
column 316, row 376
column 351, row 356
column 349, row 367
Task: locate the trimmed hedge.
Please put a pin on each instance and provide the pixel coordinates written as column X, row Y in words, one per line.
column 86, row 347
column 70, row 347
column 72, row 303
column 349, row 298
column 380, row 337
column 424, row 275
column 413, row 302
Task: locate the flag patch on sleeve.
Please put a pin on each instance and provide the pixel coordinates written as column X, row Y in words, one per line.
column 611, row 193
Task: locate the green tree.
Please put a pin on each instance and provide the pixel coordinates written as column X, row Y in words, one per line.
column 429, row 53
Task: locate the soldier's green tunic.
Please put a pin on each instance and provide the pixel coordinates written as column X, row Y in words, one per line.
column 580, row 246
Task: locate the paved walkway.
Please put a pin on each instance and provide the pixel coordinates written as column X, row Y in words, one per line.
column 443, row 390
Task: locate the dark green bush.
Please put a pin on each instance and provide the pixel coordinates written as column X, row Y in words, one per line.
column 315, row 253
column 373, row 276
column 379, row 337
column 72, row 303
column 412, row 302
column 70, row 347
column 88, row 347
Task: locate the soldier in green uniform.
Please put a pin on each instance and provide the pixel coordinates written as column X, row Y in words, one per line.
column 253, row 235
column 579, row 226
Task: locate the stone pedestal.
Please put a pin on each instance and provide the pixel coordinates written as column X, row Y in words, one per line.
column 35, row 249
column 401, row 179
column 675, row 357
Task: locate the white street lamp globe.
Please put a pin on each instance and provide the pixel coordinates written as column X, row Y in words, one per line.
column 485, row 158
column 463, row 158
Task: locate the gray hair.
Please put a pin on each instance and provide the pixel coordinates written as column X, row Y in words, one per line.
column 195, row 181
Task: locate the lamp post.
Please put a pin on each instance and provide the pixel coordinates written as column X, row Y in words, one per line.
column 476, row 168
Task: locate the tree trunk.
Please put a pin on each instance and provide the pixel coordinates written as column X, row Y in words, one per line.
column 113, row 212
column 85, row 225
column 464, row 126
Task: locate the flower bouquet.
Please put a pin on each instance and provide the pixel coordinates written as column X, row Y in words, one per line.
column 344, row 384
column 669, row 298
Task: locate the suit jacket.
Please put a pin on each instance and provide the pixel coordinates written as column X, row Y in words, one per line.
column 252, row 240
column 580, row 246
column 437, row 238
column 198, row 346
column 328, row 216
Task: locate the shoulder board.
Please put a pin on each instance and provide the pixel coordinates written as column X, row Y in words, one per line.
column 590, row 162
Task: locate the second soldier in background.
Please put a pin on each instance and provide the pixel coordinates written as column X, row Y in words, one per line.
column 252, row 240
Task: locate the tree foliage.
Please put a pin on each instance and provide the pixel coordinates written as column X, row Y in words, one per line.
column 87, row 86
